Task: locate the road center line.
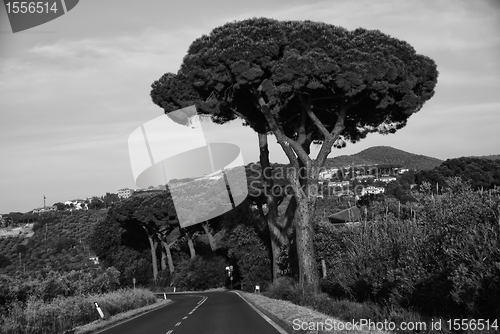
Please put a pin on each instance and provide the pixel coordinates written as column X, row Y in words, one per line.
column 170, row 331
column 177, row 324
column 184, row 318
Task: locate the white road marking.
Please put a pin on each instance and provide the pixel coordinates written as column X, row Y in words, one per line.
column 184, row 318
column 177, row 324
column 170, row 331
column 266, row 318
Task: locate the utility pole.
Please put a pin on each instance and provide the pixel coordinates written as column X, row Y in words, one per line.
column 44, row 198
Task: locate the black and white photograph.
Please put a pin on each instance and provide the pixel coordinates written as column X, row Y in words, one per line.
column 277, row 167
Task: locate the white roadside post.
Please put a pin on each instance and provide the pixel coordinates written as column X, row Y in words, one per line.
column 101, row 314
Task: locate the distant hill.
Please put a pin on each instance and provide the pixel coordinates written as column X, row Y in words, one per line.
column 385, row 155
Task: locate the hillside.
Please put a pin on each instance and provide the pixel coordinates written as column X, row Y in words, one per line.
column 385, row 155
column 58, row 243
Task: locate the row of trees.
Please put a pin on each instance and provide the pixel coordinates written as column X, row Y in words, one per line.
column 146, row 223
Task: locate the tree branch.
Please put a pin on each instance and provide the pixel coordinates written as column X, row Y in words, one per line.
column 326, row 148
column 291, row 148
column 317, row 122
column 302, row 136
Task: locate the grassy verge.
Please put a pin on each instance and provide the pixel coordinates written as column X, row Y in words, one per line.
column 119, row 318
column 300, row 319
column 62, row 314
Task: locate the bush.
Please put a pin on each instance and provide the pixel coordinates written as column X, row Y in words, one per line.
column 253, row 264
column 200, row 273
column 444, row 263
column 283, row 288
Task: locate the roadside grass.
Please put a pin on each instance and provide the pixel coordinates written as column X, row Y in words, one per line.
column 305, row 319
column 62, row 314
column 118, row 318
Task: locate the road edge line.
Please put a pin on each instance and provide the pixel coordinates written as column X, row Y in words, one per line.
column 266, row 318
column 119, row 322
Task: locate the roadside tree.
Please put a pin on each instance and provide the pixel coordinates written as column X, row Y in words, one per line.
column 305, row 82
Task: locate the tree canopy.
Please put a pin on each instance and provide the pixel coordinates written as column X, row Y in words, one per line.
column 297, row 64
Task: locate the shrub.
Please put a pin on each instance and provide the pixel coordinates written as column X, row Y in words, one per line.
column 250, row 254
column 200, row 273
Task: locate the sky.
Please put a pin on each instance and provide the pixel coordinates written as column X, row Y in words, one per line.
column 73, row 89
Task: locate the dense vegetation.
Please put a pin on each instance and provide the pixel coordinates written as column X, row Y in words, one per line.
column 480, row 173
column 59, row 243
column 435, row 255
column 48, row 284
column 443, row 261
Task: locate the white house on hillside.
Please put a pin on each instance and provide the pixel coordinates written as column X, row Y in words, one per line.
column 372, row 190
column 125, row 193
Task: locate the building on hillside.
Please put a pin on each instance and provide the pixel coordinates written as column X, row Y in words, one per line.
column 372, row 190
column 365, row 177
column 125, row 193
column 52, row 208
column 338, row 184
column 401, row 170
column 386, row 179
column 327, row 174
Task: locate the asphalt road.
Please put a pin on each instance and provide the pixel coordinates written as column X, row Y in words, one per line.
column 210, row 312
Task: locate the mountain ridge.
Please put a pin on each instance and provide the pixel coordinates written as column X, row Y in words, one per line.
column 385, row 155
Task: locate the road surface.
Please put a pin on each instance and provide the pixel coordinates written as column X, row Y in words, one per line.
column 204, row 313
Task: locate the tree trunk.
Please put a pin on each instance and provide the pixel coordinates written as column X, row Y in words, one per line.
column 192, row 251
column 323, row 268
column 153, row 244
column 272, row 214
column 170, row 262
column 211, row 238
column 305, row 245
column 304, row 230
column 163, row 261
